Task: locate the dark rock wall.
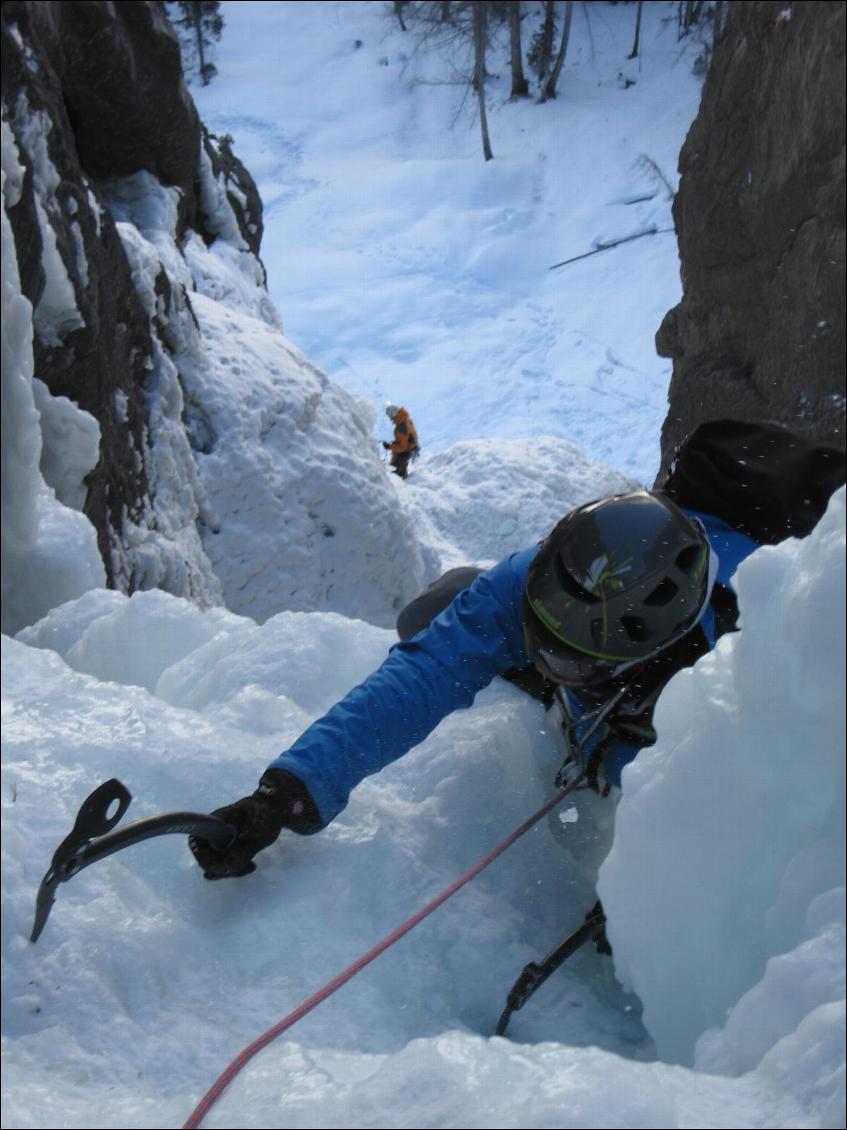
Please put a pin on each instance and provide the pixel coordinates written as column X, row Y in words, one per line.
column 759, row 333
column 86, row 88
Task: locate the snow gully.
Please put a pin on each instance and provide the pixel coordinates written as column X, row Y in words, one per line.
column 244, row 1057
column 94, row 836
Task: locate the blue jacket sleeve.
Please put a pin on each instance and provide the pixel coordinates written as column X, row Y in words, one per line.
column 422, row 681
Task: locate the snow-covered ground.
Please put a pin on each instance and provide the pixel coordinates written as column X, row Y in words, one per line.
column 408, row 268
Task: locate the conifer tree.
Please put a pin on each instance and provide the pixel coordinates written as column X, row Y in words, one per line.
column 203, row 21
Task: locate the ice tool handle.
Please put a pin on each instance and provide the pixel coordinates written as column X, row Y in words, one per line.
column 94, row 837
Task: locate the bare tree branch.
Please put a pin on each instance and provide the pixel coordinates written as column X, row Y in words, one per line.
column 610, row 244
column 634, row 52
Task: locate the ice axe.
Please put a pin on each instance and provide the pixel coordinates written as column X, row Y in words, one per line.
column 93, row 838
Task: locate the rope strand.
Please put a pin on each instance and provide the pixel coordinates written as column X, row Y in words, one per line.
column 223, row 1081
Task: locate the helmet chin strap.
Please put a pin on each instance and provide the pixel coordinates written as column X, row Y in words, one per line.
column 594, row 718
column 711, row 576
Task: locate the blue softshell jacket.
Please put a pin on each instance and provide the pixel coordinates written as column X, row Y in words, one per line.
column 440, row 670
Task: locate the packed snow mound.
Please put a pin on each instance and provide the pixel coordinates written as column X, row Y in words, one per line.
column 204, row 660
column 129, row 640
column 725, row 885
column 302, row 515
column 483, row 499
column 219, row 714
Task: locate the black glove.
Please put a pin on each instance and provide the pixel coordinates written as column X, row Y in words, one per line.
column 387, row 446
column 280, row 801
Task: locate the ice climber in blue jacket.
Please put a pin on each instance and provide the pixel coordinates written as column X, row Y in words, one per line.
column 623, row 593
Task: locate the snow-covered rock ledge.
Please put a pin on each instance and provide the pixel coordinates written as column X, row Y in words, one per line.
column 209, row 456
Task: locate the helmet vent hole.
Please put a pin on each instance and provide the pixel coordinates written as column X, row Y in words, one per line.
column 599, row 633
column 663, row 594
column 635, row 628
column 688, row 559
column 571, row 585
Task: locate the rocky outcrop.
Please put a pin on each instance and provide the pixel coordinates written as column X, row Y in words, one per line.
column 759, row 334
column 242, row 194
column 86, row 88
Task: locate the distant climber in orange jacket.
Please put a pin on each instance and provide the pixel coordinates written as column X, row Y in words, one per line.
column 405, row 447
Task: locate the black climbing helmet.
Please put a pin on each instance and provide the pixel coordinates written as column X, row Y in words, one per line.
column 615, row 582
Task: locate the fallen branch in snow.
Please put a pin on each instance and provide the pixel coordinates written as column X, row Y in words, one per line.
column 612, row 243
column 651, row 166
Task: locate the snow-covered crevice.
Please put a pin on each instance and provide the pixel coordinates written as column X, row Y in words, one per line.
column 163, row 548
column 56, row 314
column 70, row 445
column 49, row 551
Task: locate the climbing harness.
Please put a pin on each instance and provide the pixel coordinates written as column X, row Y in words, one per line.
column 577, row 750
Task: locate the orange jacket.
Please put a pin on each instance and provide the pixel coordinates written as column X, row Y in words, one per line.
column 405, row 436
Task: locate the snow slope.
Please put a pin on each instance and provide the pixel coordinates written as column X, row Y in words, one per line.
column 411, row 270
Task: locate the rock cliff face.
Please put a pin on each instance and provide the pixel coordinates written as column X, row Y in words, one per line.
column 86, row 87
column 759, row 334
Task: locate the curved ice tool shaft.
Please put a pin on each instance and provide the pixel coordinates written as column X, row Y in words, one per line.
column 92, row 838
column 536, row 973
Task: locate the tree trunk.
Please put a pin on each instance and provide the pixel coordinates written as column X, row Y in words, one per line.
column 480, row 30
column 545, row 55
column 398, row 12
column 550, row 85
column 445, row 11
column 520, row 87
column 197, row 17
column 634, row 52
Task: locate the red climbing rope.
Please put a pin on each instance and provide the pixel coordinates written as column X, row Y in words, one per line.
column 223, row 1081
